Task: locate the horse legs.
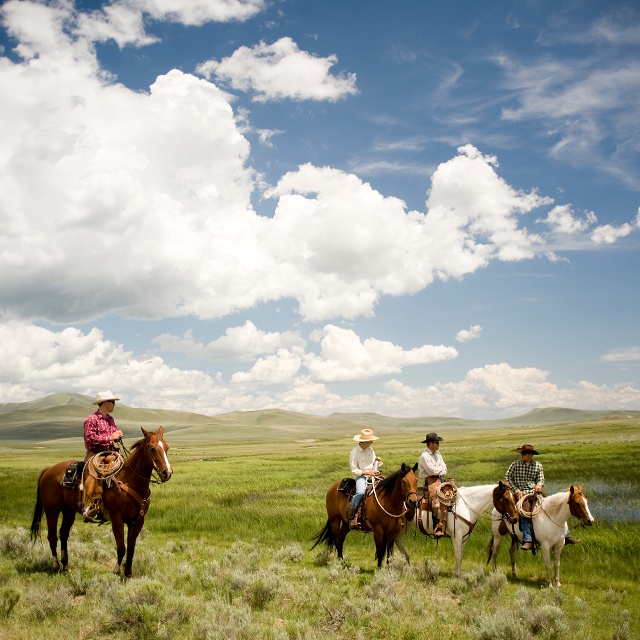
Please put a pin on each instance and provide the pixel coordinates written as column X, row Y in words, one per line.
column 458, row 549
column 557, row 553
column 340, row 529
column 52, row 535
column 399, row 544
column 133, row 531
column 68, row 518
column 117, row 526
column 492, row 550
column 513, row 554
column 381, row 540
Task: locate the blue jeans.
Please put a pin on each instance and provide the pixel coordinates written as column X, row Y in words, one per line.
column 361, row 487
column 525, row 527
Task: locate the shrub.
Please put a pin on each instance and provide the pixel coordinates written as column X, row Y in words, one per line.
column 429, row 572
column 293, row 553
column 9, row 598
column 500, row 627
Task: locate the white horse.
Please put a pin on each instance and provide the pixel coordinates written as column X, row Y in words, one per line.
column 549, row 523
column 471, row 503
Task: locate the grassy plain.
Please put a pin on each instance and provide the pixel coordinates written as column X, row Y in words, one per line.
column 225, row 552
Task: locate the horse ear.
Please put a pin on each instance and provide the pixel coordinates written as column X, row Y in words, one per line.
column 146, row 434
column 415, row 467
column 160, row 432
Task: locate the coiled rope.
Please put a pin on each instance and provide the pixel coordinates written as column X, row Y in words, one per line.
column 535, row 509
column 447, row 493
column 105, row 464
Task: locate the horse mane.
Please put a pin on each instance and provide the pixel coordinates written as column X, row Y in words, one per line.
column 472, row 490
column 135, row 445
column 388, row 483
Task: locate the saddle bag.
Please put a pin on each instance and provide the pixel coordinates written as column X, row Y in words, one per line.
column 347, row 485
column 73, row 475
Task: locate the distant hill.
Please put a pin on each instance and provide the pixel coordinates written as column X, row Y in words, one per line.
column 61, row 416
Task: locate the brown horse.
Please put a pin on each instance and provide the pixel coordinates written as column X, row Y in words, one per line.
column 385, row 508
column 127, row 499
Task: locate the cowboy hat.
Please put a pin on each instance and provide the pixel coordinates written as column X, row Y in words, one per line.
column 104, row 396
column 432, row 437
column 527, row 448
column 366, row 435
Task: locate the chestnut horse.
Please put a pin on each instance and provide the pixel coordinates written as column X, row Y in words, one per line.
column 385, row 508
column 126, row 500
column 549, row 524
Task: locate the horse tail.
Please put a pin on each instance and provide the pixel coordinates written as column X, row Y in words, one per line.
column 326, row 536
column 38, row 510
column 490, row 550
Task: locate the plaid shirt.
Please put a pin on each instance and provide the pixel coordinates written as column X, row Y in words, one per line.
column 97, row 432
column 524, row 477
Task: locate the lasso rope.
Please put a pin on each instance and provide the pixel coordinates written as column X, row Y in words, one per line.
column 535, row 510
column 447, row 493
column 101, row 468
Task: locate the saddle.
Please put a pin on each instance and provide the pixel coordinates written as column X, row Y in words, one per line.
column 348, row 487
column 73, row 475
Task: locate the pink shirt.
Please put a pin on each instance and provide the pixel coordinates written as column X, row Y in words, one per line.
column 97, row 432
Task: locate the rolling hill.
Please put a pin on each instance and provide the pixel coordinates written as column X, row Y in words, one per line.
column 61, row 416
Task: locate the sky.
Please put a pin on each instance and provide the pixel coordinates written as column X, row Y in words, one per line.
column 416, row 208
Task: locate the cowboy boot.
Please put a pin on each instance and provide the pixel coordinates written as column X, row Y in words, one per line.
column 353, row 521
column 439, row 529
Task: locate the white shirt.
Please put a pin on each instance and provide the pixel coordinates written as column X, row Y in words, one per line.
column 361, row 459
column 431, row 464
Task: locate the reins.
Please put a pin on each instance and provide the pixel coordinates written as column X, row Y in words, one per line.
column 378, row 501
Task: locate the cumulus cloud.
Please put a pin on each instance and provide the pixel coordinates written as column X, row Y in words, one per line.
column 473, row 216
column 238, row 343
column 561, row 219
column 608, row 233
column 466, row 335
column 344, row 356
column 281, row 70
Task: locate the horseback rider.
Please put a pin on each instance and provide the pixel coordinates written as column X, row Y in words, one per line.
column 432, row 469
column 100, row 434
column 364, row 464
column 526, row 476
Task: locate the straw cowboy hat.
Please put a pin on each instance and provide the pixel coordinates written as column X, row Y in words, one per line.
column 432, row 437
column 104, row 396
column 366, row 435
column 527, row 448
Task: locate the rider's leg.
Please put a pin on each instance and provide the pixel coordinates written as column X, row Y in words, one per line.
column 361, row 487
column 527, row 539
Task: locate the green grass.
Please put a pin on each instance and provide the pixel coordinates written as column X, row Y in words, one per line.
column 225, row 551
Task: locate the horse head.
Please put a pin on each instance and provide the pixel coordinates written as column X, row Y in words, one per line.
column 579, row 506
column 409, row 485
column 156, row 448
column 505, row 503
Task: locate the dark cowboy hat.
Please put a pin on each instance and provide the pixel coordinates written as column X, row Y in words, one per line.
column 527, row 448
column 432, row 437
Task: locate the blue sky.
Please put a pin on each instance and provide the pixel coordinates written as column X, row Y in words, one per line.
column 410, row 208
